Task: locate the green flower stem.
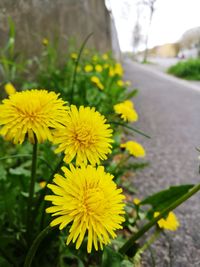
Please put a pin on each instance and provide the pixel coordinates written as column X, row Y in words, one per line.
column 44, row 190
column 31, row 188
column 7, row 257
column 147, row 245
column 150, row 241
column 121, row 163
column 31, row 253
column 76, row 66
column 130, row 128
column 147, row 226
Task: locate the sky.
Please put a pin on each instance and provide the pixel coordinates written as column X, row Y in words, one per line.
column 170, row 20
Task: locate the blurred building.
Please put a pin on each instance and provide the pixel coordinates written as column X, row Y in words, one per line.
column 190, row 43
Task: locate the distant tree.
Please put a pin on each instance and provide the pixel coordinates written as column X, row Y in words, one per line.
column 137, row 36
column 151, row 5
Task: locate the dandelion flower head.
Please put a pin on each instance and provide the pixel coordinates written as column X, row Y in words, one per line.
column 126, row 110
column 95, row 58
column 135, row 149
column 136, row 201
column 9, row 89
column 88, row 68
column 170, row 223
column 98, row 68
column 86, row 136
column 88, row 200
column 45, row 41
column 74, row 56
column 97, row 82
column 118, row 69
column 120, row 83
column 29, row 113
column 105, row 56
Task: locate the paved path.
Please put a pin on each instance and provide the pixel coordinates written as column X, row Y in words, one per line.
column 169, row 111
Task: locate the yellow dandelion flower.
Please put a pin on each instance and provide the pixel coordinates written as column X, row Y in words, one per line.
column 97, row 82
column 136, row 201
column 111, row 72
column 95, row 58
column 98, row 68
column 74, row 56
column 100, row 86
column 29, row 113
column 106, row 66
column 118, row 69
column 86, row 51
column 45, row 41
column 120, row 83
column 127, row 83
column 126, row 110
column 95, row 79
column 134, row 149
column 9, row 89
column 86, row 136
column 88, row 199
column 88, row 68
column 170, row 223
column 42, row 184
column 105, row 56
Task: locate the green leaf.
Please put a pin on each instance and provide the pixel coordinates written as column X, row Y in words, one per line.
column 133, row 93
column 20, row 171
column 163, row 199
column 2, row 173
column 126, row 263
column 130, row 128
column 111, row 258
column 137, row 166
column 4, row 262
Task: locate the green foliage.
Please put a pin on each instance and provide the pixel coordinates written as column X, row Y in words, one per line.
column 42, row 246
column 163, row 199
column 12, row 63
column 187, row 69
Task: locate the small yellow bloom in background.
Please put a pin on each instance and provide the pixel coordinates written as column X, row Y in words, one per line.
column 88, row 68
column 170, row 223
column 45, row 41
column 118, row 69
column 134, row 149
column 95, row 58
column 98, row 68
column 95, row 79
column 100, row 86
column 86, row 136
column 120, row 83
column 105, row 56
column 88, row 200
column 106, row 66
column 86, row 51
column 127, row 83
column 9, row 89
column 42, row 184
column 74, row 56
column 97, row 82
column 136, row 201
column 111, row 72
column 31, row 113
column 126, row 110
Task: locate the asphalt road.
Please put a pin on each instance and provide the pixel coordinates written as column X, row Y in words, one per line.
column 169, row 111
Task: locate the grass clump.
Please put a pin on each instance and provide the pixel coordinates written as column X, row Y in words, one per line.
column 187, row 69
